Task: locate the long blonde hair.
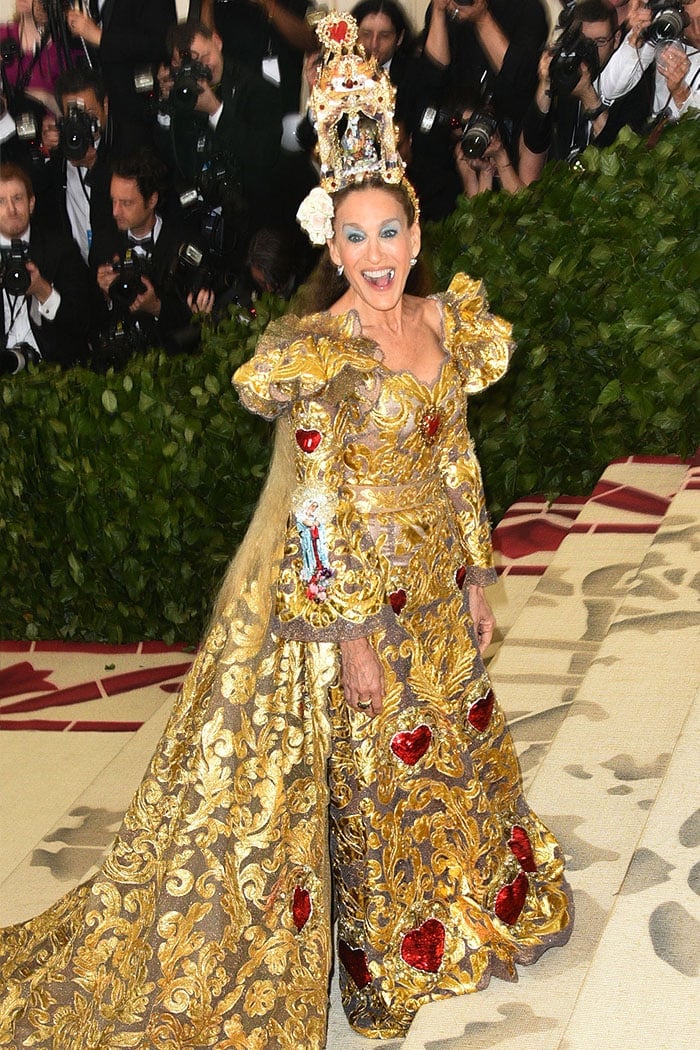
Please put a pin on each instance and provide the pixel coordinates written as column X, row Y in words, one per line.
column 256, row 560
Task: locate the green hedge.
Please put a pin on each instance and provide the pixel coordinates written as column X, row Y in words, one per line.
column 598, row 268
column 123, row 496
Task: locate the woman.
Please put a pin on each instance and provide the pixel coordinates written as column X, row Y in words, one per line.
column 343, row 666
column 32, row 60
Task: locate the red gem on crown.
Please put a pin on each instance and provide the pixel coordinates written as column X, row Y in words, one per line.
column 339, row 31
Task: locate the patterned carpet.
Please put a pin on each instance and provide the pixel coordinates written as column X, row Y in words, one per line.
column 596, row 662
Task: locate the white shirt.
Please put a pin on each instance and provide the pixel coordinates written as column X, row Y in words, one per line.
column 18, row 309
column 78, row 207
column 626, row 68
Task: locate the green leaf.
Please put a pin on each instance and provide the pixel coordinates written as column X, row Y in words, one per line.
column 109, row 401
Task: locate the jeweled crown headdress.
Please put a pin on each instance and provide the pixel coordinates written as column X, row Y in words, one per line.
column 352, row 106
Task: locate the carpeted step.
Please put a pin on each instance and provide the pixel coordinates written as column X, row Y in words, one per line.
column 559, row 631
column 626, row 814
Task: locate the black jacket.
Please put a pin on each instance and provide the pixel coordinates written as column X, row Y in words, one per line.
column 51, row 201
column 174, row 314
column 64, row 340
column 133, row 36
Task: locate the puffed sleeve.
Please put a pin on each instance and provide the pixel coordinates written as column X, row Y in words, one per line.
column 296, row 358
column 480, row 345
column 331, row 582
column 479, row 342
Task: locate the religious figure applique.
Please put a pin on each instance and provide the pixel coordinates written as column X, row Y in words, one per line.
column 312, row 512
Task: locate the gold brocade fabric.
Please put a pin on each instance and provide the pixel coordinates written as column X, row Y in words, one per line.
column 208, row 924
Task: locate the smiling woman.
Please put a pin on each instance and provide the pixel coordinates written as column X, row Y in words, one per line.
column 342, row 683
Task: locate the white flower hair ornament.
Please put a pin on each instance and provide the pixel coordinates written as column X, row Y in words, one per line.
column 315, row 216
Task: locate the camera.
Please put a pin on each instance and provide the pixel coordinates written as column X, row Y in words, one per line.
column 127, row 284
column 77, row 131
column 571, row 50
column 186, row 90
column 14, row 276
column 116, row 345
column 667, row 23
column 9, row 51
column 14, row 359
column 477, row 133
column 191, row 272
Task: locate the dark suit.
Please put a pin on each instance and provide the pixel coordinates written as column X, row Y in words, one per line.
column 174, row 314
column 247, row 134
column 133, row 36
column 64, row 340
column 51, row 201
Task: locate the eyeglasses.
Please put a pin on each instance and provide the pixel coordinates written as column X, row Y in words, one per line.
column 601, row 41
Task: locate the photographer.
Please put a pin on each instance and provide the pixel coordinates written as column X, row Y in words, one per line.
column 664, row 37
column 44, row 282
column 491, row 47
column 78, row 173
column 35, row 48
column 268, row 37
column 487, row 168
column 568, row 112
column 211, row 107
column 122, row 37
column 134, row 274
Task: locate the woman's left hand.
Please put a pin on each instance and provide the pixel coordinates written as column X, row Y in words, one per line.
column 482, row 615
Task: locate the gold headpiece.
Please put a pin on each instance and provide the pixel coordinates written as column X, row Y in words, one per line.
column 352, row 106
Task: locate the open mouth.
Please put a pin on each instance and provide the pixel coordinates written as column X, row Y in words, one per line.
column 380, row 279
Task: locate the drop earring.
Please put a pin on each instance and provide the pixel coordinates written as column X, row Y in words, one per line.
column 340, row 269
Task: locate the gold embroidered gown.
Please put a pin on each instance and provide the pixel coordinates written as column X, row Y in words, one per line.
column 208, row 924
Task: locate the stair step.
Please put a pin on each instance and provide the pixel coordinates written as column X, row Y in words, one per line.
column 558, row 633
column 596, row 787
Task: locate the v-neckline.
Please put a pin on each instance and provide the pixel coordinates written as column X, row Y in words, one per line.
column 358, row 332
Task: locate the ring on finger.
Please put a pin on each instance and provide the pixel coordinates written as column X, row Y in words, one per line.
column 364, row 705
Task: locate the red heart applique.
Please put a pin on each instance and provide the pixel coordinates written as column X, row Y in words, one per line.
column 301, row 907
column 411, row 744
column 424, row 947
column 308, row 440
column 355, row 962
column 479, row 714
column 460, row 576
column 398, row 600
column 339, row 31
column 511, row 898
column 521, row 848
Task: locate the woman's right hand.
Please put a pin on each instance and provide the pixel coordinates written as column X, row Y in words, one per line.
column 361, row 676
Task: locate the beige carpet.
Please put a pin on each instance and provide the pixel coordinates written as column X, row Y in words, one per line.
column 595, row 662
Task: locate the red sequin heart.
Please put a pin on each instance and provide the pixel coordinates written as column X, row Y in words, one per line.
column 411, row 744
column 460, row 576
column 521, row 848
column 308, row 440
column 511, row 898
column 398, row 600
column 339, row 31
column 301, row 907
column 424, row 947
column 481, row 710
column 355, row 962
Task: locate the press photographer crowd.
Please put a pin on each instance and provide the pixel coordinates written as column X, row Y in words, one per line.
column 151, row 170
